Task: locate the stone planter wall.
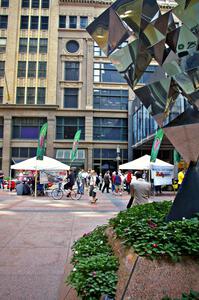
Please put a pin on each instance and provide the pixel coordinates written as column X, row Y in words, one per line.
column 152, row 280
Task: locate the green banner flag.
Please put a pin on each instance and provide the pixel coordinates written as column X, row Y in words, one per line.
column 176, row 157
column 156, row 144
column 75, row 145
column 41, row 142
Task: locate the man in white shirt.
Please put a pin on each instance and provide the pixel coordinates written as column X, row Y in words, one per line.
column 140, row 191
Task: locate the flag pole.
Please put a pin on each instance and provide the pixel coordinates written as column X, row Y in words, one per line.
column 8, row 94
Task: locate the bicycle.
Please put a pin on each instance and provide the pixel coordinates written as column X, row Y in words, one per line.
column 59, row 192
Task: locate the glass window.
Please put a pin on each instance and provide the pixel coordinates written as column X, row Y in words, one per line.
column 4, row 3
column 1, row 129
column 83, row 22
column 70, row 98
column 106, row 73
column 2, row 69
column 45, row 4
column 21, row 72
column 23, row 43
column 26, row 128
column 33, row 45
column 3, row 42
column 42, row 69
column 44, row 23
column 98, row 51
column 110, row 129
column 1, row 95
column 24, row 22
column 35, row 3
column 72, row 46
column 30, row 95
column 23, row 152
column 110, row 99
column 66, row 127
column 3, row 22
column 25, row 3
column 62, row 21
column 32, row 69
column 72, row 22
column 43, row 45
column 41, row 95
column 20, row 97
column 71, row 71
column 34, row 22
column 147, row 73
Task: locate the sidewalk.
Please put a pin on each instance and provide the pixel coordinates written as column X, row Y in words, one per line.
column 36, row 235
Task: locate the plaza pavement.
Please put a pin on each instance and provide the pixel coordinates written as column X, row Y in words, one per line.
column 36, row 235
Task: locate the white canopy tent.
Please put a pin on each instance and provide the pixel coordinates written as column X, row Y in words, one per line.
column 47, row 163
column 143, row 163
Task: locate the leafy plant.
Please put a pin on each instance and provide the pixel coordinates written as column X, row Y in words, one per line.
column 144, row 228
column 95, row 266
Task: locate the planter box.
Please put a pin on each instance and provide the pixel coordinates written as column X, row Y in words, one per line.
column 143, row 279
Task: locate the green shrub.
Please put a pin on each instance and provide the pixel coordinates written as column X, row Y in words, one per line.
column 95, row 266
column 144, row 228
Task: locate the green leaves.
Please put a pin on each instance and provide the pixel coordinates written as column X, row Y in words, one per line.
column 95, row 266
column 193, row 295
column 144, row 228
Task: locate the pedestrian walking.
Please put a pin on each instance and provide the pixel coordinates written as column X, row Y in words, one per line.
column 93, row 187
column 1, row 179
column 106, row 182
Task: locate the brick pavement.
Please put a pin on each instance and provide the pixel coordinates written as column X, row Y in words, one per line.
column 36, row 235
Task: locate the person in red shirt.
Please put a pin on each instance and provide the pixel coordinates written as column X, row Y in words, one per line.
column 128, row 181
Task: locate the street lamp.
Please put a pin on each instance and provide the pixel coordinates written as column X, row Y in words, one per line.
column 118, row 156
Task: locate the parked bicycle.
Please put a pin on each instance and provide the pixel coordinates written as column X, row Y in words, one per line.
column 59, row 192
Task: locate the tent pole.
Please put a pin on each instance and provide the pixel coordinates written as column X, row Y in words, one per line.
column 10, row 181
column 36, row 184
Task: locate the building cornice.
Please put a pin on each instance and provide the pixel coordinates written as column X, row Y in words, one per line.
column 86, row 1
column 29, row 107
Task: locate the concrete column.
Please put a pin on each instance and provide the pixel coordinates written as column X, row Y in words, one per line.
column 89, row 78
column 90, row 158
column 6, row 155
column 50, row 136
column 89, row 128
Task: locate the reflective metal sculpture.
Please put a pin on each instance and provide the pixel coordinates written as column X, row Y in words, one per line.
column 133, row 33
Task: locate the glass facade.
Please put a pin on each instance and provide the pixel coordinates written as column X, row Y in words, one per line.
column 110, row 99
column 71, row 71
column 23, row 152
column 71, row 98
column 66, row 127
column 113, row 129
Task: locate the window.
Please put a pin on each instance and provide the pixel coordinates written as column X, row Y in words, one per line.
column 70, row 98
column 83, row 22
column 25, row 3
column 106, row 73
column 3, row 42
column 72, row 46
column 34, row 22
column 30, row 95
column 71, row 71
column 32, row 69
column 21, row 69
column 2, row 69
column 65, row 156
column 41, row 95
column 1, row 95
column 20, row 98
column 110, row 129
column 3, row 22
column 24, row 22
column 27, row 128
column 147, row 73
column 98, row 51
column 43, row 45
column 62, row 21
column 66, row 127
column 1, row 129
column 35, row 3
column 4, row 3
column 45, row 4
column 72, row 22
column 33, row 45
column 23, row 152
column 110, row 99
column 23, row 43
column 44, row 23
column 42, row 69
